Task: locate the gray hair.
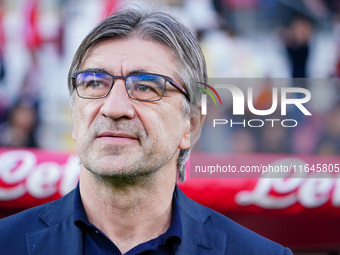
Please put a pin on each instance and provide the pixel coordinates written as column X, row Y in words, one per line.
column 157, row 26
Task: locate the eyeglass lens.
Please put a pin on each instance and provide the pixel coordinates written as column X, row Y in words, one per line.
column 145, row 87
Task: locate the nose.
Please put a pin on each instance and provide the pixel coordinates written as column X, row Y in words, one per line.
column 118, row 103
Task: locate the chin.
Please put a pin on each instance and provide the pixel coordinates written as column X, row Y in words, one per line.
column 123, row 178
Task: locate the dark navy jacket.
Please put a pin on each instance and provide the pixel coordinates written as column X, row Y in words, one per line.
column 49, row 229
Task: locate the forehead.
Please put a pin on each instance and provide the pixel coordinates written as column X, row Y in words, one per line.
column 123, row 56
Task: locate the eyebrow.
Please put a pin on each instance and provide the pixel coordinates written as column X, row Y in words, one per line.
column 138, row 71
column 96, row 70
column 101, row 70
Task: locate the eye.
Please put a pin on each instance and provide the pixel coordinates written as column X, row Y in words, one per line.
column 94, row 84
column 90, row 80
column 143, row 88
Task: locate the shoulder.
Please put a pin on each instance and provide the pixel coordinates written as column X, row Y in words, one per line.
column 240, row 240
column 41, row 215
column 14, row 228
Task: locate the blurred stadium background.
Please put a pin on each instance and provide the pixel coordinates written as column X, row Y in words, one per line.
column 240, row 38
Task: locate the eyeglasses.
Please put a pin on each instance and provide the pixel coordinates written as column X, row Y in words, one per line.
column 142, row 86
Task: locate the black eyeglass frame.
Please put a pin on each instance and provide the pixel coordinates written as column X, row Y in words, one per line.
column 166, row 78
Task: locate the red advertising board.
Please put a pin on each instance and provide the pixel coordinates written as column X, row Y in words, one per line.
column 31, row 177
column 300, row 211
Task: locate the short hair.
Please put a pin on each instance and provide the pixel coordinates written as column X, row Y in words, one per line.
column 160, row 27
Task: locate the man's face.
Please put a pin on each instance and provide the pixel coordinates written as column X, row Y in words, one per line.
column 117, row 135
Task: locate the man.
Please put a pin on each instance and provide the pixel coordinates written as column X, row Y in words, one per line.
column 136, row 117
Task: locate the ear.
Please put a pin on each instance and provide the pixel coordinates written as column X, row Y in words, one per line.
column 192, row 130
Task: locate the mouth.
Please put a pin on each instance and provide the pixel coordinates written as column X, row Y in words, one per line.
column 116, row 137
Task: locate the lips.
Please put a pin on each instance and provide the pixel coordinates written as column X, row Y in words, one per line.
column 117, row 135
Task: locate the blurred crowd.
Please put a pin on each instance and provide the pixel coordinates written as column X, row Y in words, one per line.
column 266, row 39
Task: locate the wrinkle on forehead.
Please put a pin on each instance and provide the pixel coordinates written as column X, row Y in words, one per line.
column 90, row 50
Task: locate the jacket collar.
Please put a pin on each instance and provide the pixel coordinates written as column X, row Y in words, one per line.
column 61, row 236
column 198, row 237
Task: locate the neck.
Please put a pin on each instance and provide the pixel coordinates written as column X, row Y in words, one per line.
column 129, row 214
